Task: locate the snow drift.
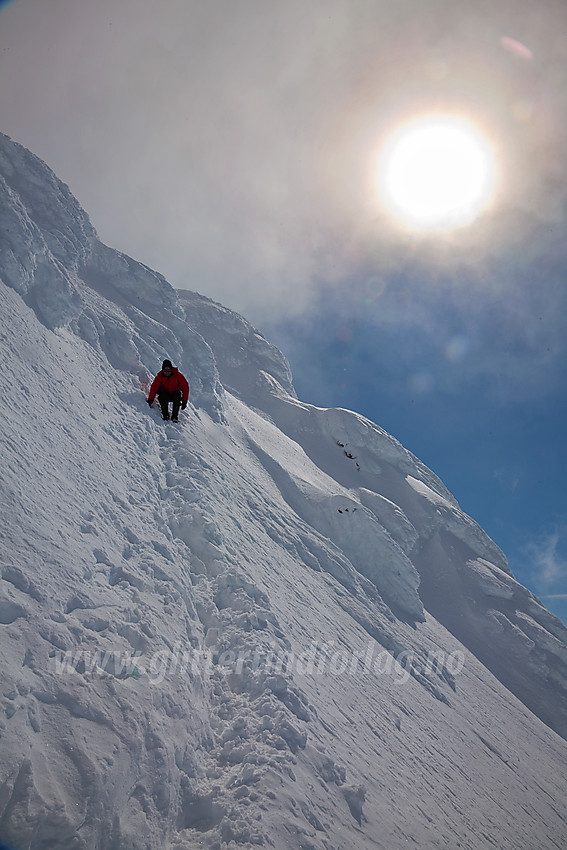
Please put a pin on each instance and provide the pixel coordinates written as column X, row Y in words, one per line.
column 270, row 625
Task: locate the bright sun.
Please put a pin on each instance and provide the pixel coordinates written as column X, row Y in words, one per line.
column 437, row 172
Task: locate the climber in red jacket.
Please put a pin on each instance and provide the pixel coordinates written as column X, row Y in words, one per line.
column 170, row 386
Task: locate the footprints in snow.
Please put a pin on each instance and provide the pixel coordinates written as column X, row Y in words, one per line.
column 257, row 714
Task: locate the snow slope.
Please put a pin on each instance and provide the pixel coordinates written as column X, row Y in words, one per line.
column 270, row 625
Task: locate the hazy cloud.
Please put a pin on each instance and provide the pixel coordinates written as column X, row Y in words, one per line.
column 231, row 144
column 548, row 563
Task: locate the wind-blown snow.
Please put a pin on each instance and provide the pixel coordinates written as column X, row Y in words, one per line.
column 269, row 625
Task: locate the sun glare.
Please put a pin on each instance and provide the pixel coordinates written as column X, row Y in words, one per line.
column 437, row 173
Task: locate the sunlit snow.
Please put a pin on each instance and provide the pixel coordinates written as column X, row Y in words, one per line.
column 269, row 625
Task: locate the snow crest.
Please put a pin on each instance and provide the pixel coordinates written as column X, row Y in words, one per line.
column 269, row 625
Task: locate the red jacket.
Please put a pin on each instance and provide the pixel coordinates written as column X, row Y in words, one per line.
column 171, row 383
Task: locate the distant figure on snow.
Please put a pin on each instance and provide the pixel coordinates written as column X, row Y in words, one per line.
column 170, row 386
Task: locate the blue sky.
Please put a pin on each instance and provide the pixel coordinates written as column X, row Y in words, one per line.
column 232, row 145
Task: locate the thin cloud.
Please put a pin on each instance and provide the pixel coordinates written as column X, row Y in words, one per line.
column 232, row 146
column 548, row 565
column 508, row 479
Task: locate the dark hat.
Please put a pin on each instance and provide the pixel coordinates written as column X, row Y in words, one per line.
column 166, row 365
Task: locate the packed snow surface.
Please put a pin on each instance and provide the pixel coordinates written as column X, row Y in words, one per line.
column 269, row 625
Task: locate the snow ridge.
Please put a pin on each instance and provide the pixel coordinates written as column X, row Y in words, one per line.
column 270, row 625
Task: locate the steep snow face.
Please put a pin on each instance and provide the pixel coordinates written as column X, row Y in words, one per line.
column 268, row 625
column 249, row 366
column 424, row 550
column 126, row 312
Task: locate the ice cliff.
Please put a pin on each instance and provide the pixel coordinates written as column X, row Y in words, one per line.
column 270, row 625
